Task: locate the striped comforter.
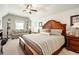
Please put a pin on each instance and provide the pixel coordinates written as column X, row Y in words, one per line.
column 44, row 43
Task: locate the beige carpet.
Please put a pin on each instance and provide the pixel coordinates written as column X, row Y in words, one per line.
column 67, row 52
column 12, row 48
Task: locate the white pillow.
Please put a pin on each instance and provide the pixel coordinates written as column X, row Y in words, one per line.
column 44, row 33
column 45, row 30
column 55, row 32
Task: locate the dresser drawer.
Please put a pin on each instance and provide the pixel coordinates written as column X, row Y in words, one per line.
column 74, row 48
column 75, row 43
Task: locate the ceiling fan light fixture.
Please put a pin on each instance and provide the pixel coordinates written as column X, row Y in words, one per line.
column 28, row 8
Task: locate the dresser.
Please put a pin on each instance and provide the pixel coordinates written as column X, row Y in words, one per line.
column 73, row 43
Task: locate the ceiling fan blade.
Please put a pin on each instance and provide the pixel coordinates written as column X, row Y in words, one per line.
column 33, row 10
column 27, row 6
column 24, row 10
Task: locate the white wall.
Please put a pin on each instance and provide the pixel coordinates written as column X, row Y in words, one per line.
column 63, row 17
column 3, row 12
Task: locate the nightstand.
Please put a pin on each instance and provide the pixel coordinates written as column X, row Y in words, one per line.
column 73, row 43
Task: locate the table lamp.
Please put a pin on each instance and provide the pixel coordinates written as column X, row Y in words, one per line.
column 76, row 26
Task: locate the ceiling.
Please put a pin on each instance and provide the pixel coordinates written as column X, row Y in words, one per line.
column 49, row 7
column 43, row 8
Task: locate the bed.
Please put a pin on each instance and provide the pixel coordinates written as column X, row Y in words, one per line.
column 44, row 44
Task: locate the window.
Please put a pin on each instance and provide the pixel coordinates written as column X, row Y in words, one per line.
column 19, row 25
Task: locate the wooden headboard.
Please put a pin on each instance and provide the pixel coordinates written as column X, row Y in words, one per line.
column 52, row 24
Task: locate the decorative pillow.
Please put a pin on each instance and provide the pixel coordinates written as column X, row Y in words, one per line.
column 44, row 33
column 55, row 32
column 45, row 30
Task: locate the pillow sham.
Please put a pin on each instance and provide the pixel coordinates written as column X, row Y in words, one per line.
column 45, row 30
column 44, row 33
column 56, row 32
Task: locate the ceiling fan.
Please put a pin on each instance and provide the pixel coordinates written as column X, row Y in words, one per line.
column 28, row 8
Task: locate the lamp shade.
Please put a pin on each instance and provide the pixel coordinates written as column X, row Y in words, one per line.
column 76, row 25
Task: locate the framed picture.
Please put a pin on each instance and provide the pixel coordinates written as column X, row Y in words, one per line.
column 74, row 19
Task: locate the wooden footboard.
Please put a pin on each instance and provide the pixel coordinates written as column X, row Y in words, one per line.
column 58, row 51
column 28, row 50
